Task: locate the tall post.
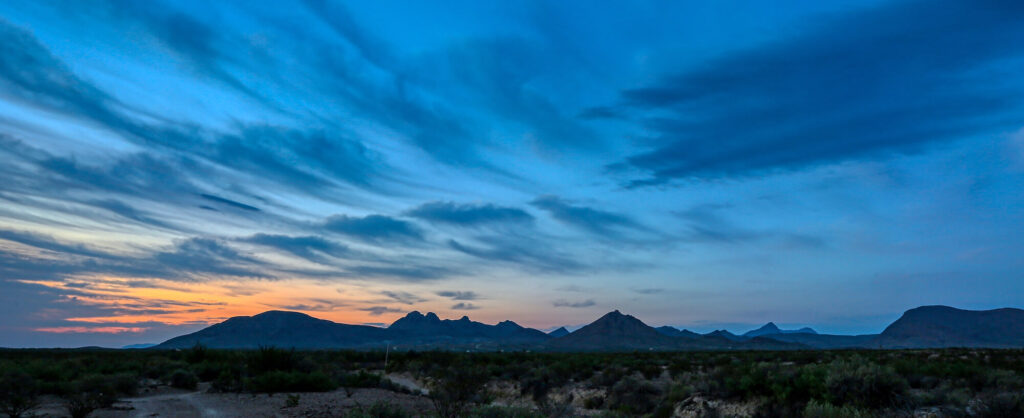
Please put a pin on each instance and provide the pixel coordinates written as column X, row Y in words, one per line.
column 386, row 352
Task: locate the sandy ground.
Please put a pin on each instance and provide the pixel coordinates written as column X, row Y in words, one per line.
column 174, row 403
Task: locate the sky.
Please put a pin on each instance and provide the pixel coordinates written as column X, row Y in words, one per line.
column 167, row 165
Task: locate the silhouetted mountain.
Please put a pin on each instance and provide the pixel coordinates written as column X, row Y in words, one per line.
column 560, row 332
column 726, row 335
column 280, row 329
column 826, row 341
column 943, row 326
column 614, row 331
column 771, row 329
column 927, row 326
column 298, row 330
column 676, row 332
column 137, row 346
column 416, row 327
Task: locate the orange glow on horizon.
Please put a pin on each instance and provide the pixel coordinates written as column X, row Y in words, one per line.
column 98, row 330
column 130, row 305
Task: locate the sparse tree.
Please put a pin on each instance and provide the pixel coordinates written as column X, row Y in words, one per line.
column 18, row 394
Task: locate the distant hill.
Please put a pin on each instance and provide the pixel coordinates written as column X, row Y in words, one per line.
column 298, row 330
column 726, row 335
column 827, row 341
column 923, row 327
column 418, row 328
column 771, row 329
column 614, row 331
column 137, row 346
column 943, row 326
column 676, row 332
column 280, row 329
column 560, row 332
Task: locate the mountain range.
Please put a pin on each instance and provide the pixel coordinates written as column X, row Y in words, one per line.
column 923, row 327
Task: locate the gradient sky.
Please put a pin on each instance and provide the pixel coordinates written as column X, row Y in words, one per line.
column 166, row 165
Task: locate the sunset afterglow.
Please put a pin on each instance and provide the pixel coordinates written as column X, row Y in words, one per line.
column 168, row 165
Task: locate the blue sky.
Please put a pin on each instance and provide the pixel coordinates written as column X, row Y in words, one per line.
column 700, row 164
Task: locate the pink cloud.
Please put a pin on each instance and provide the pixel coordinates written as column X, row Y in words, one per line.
column 96, row 330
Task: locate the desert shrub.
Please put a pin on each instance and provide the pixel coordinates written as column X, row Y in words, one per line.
column 197, row 354
column 207, row 371
column 267, row 359
column 379, row 409
column 89, row 394
column 631, row 396
column 360, row 379
column 494, row 411
column 19, row 393
column 556, row 408
column 161, row 367
column 861, row 383
column 1005, row 380
column 817, row 409
column 538, row 383
column 229, row 380
column 1001, row 405
column 454, row 390
column 184, row 379
column 281, row 381
column 609, row 377
column 593, row 402
column 292, row 400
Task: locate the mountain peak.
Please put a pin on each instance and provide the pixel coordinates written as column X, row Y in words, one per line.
column 560, row 332
column 613, row 315
column 415, row 320
column 615, row 330
column 772, row 329
column 944, row 326
column 280, row 314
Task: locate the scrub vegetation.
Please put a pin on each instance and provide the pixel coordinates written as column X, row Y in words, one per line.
column 845, row 383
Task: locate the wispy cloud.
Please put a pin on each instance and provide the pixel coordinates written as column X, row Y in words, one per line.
column 863, row 84
column 458, row 295
column 470, row 214
column 562, row 303
column 380, row 310
column 374, row 228
column 403, row 297
column 597, row 221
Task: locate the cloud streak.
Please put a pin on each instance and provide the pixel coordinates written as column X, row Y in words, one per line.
column 562, row 303
column 862, row 85
column 470, row 215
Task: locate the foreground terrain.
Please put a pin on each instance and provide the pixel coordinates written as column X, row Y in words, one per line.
column 275, row 382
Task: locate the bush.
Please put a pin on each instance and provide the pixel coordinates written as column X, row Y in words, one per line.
column 197, row 354
column 1002, row 405
column 379, row 409
column 18, row 394
column 268, row 359
column 860, row 383
column 633, row 397
column 184, row 379
column 504, row 412
column 362, row 379
column 89, row 394
column 817, row 409
column 454, row 390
